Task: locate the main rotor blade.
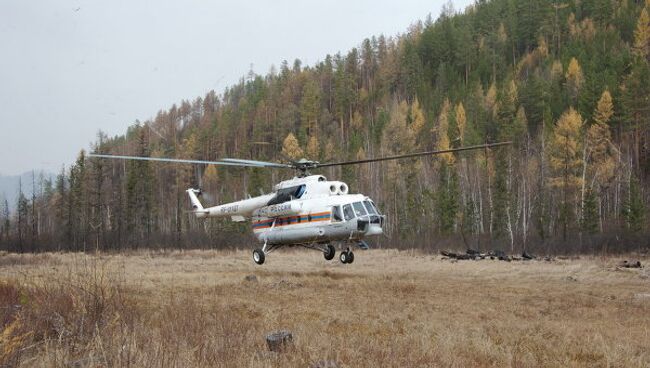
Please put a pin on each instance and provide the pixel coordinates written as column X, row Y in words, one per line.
column 418, row 154
column 176, row 160
column 257, row 163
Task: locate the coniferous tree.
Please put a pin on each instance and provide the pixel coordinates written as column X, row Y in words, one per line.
column 574, row 79
column 642, row 35
column 22, row 210
column 291, row 148
column 634, row 208
column 566, row 162
column 6, row 221
column 589, row 222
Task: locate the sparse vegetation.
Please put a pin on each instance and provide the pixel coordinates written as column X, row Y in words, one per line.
column 198, row 308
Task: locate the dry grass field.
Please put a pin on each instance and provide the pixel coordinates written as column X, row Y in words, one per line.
column 388, row 309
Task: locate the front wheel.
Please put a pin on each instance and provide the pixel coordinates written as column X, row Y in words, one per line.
column 330, row 252
column 344, row 256
column 258, row 256
column 350, row 257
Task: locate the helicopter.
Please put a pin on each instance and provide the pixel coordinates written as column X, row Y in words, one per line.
column 307, row 211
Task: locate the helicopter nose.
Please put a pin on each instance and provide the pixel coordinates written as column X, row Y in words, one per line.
column 374, row 229
column 374, row 226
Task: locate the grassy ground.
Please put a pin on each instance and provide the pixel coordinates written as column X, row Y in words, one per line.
column 388, row 309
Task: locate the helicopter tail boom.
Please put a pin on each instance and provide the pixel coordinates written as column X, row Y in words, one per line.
column 197, row 207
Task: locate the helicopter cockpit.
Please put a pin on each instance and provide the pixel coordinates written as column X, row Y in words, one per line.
column 366, row 215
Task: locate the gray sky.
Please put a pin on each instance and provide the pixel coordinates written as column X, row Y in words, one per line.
column 71, row 68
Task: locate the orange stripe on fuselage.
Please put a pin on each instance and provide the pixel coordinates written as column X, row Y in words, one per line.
column 292, row 220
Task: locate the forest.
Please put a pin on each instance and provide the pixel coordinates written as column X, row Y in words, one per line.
column 567, row 82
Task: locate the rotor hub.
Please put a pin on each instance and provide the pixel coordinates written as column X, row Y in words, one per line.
column 304, row 165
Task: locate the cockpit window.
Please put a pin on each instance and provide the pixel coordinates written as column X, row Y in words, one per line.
column 348, row 212
column 358, row 209
column 336, row 214
column 300, row 191
column 370, row 207
column 287, row 194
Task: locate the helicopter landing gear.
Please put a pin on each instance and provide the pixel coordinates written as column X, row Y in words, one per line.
column 347, row 256
column 329, row 252
column 258, row 256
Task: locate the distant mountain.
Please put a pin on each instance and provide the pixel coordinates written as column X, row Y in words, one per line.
column 10, row 184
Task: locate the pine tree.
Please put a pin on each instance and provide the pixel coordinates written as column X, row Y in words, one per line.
column 139, row 198
column 447, row 199
column 447, row 196
column 635, row 108
column 589, row 222
column 78, row 200
column 6, row 222
column 634, row 207
column 309, row 109
column 22, row 209
column 63, row 223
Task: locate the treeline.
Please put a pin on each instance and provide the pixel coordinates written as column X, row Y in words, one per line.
column 567, row 83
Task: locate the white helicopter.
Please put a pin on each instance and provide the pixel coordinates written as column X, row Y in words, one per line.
column 308, row 210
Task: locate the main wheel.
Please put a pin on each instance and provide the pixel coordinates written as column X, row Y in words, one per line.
column 258, row 256
column 350, row 257
column 344, row 256
column 330, row 252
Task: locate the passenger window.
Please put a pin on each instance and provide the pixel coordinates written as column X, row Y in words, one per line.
column 336, row 214
column 358, row 209
column 348, row 212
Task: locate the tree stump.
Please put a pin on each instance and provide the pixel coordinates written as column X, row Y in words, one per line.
column 279, row 341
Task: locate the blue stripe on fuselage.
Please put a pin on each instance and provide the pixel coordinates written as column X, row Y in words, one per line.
column 303, row 219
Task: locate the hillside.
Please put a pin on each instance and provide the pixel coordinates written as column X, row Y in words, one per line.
column 567, row 83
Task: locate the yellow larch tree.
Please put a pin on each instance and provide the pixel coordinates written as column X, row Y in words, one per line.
column 600, row 152
column 313, row 148
column 490, row 101
column 574, row 78
column 461, row 121
column 604, row 109
column 566, row 149
column 556, row 69
column 642, row 35
column 357, row 121
column 566, row 159
column 291, row 149
column 210, row 179
column 417, row 118
column 442, row 133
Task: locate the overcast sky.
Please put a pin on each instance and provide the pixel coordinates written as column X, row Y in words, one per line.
column 71, row 68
